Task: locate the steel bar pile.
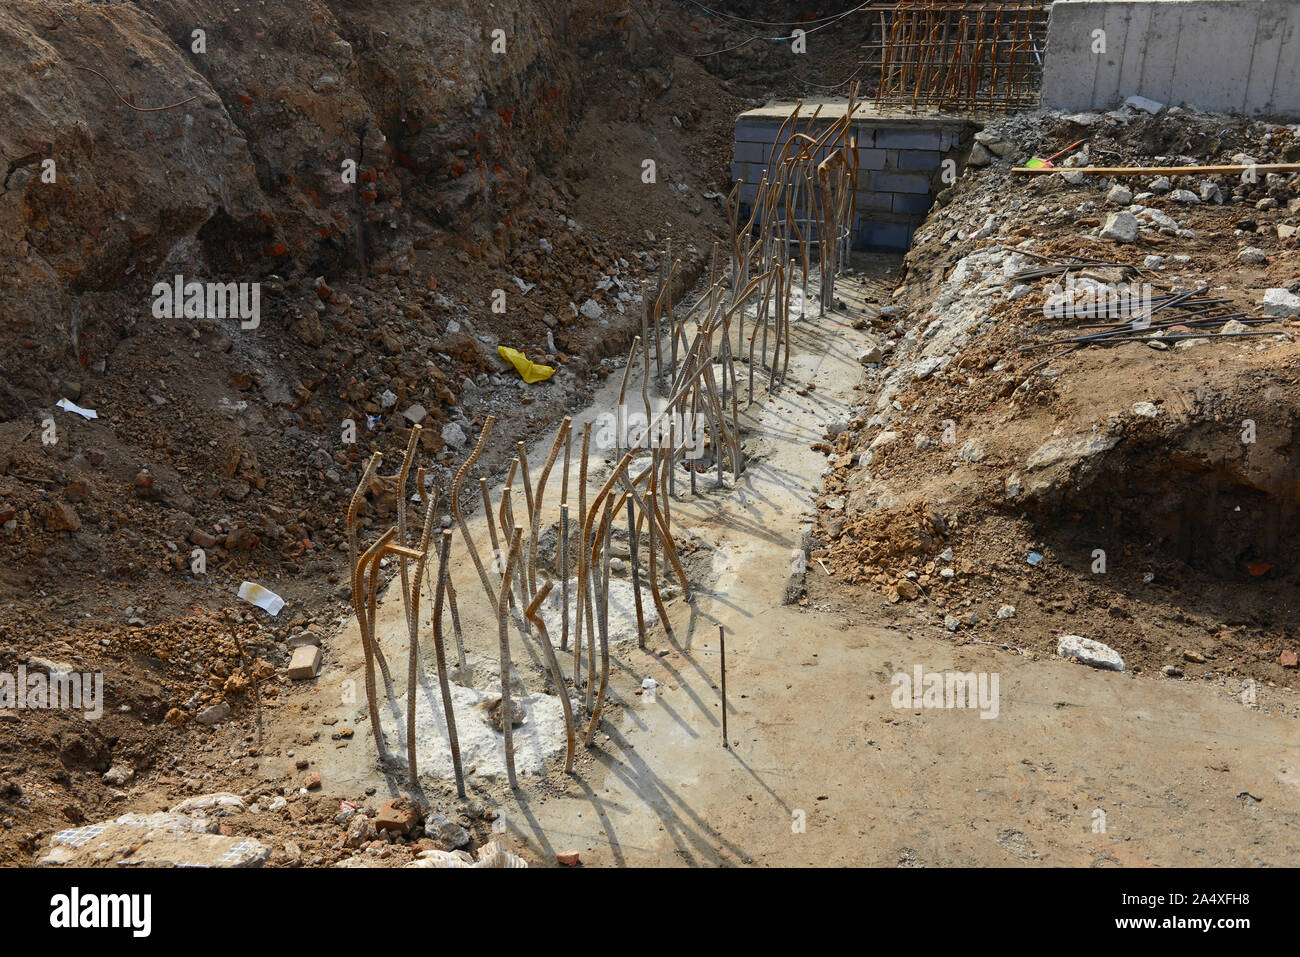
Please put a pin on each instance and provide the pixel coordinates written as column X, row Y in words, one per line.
column 961, row 56
column 1164, row 317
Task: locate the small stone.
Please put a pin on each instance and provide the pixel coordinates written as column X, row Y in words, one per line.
column 454, row 435
column 1195, row 657
column 1171, row 671
column 979, row 156
column 1252, row 255
column 1119, row 195
column 446, row 832
column 360, row 832
column 61, row 517
column 1184, row 196
column 908, row 590
column 1160, row 184
column 928, row 366
column 1145, row 410
column 119, row 775
column 244, row 538
column 214, row 714
column 1089, row 652
column 1120, row 228
column 1288, row 659
column 1281, row 303
column 1007, row 611
column 305, row 663
column 1153, row 262
column 1233, row 328
column 304, row 638
column 951, row 623
column 1144, row 104
column 1073, row 177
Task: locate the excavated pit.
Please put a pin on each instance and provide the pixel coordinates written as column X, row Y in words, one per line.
column 1198, row 501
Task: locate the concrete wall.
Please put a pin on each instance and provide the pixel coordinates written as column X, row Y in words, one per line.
column 897, row 160
column 1224, row 55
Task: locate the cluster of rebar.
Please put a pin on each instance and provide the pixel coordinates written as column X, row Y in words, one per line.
column 805, row 201
column 960, row 56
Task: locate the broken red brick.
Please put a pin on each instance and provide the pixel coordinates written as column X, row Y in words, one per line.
column 1289, row 659
column 568, row 858
column 398, row 815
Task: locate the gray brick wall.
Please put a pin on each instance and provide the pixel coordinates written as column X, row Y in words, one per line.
column 896, row 171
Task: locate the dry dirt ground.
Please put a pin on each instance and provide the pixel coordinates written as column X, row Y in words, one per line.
column 1073, row 767
column 475, row 176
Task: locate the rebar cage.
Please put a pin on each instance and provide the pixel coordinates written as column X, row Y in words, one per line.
column 958, row 56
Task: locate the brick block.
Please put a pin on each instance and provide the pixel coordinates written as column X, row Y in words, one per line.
column 873, row 201
column 908, row 139
column 749, row 172
column 912, row 204
column 752, row 152
column 927, row 160
column 398, row 815
column 871, row 159
column 901, row 182
column 865, row 136
column 885, row 236
column 305, row 663
column 756, row 131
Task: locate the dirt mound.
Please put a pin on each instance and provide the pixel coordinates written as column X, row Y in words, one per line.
column 1143, row 493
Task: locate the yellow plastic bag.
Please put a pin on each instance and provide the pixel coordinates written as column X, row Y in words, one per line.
column 530, row 371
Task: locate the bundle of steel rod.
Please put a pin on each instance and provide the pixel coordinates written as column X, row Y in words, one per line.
column 1176, row 311
column 960, row 55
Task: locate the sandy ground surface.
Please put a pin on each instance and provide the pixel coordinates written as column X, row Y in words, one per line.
column 1078, row 767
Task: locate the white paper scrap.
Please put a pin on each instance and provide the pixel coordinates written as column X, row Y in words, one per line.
column 67, row 406
column 263, row 598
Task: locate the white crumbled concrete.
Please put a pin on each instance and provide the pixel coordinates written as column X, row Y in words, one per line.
column 540, row 736
column 622, row 609
column 1089, row 652
column 1281, row 303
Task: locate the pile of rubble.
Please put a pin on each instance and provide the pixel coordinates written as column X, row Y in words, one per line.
column 984, row 469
